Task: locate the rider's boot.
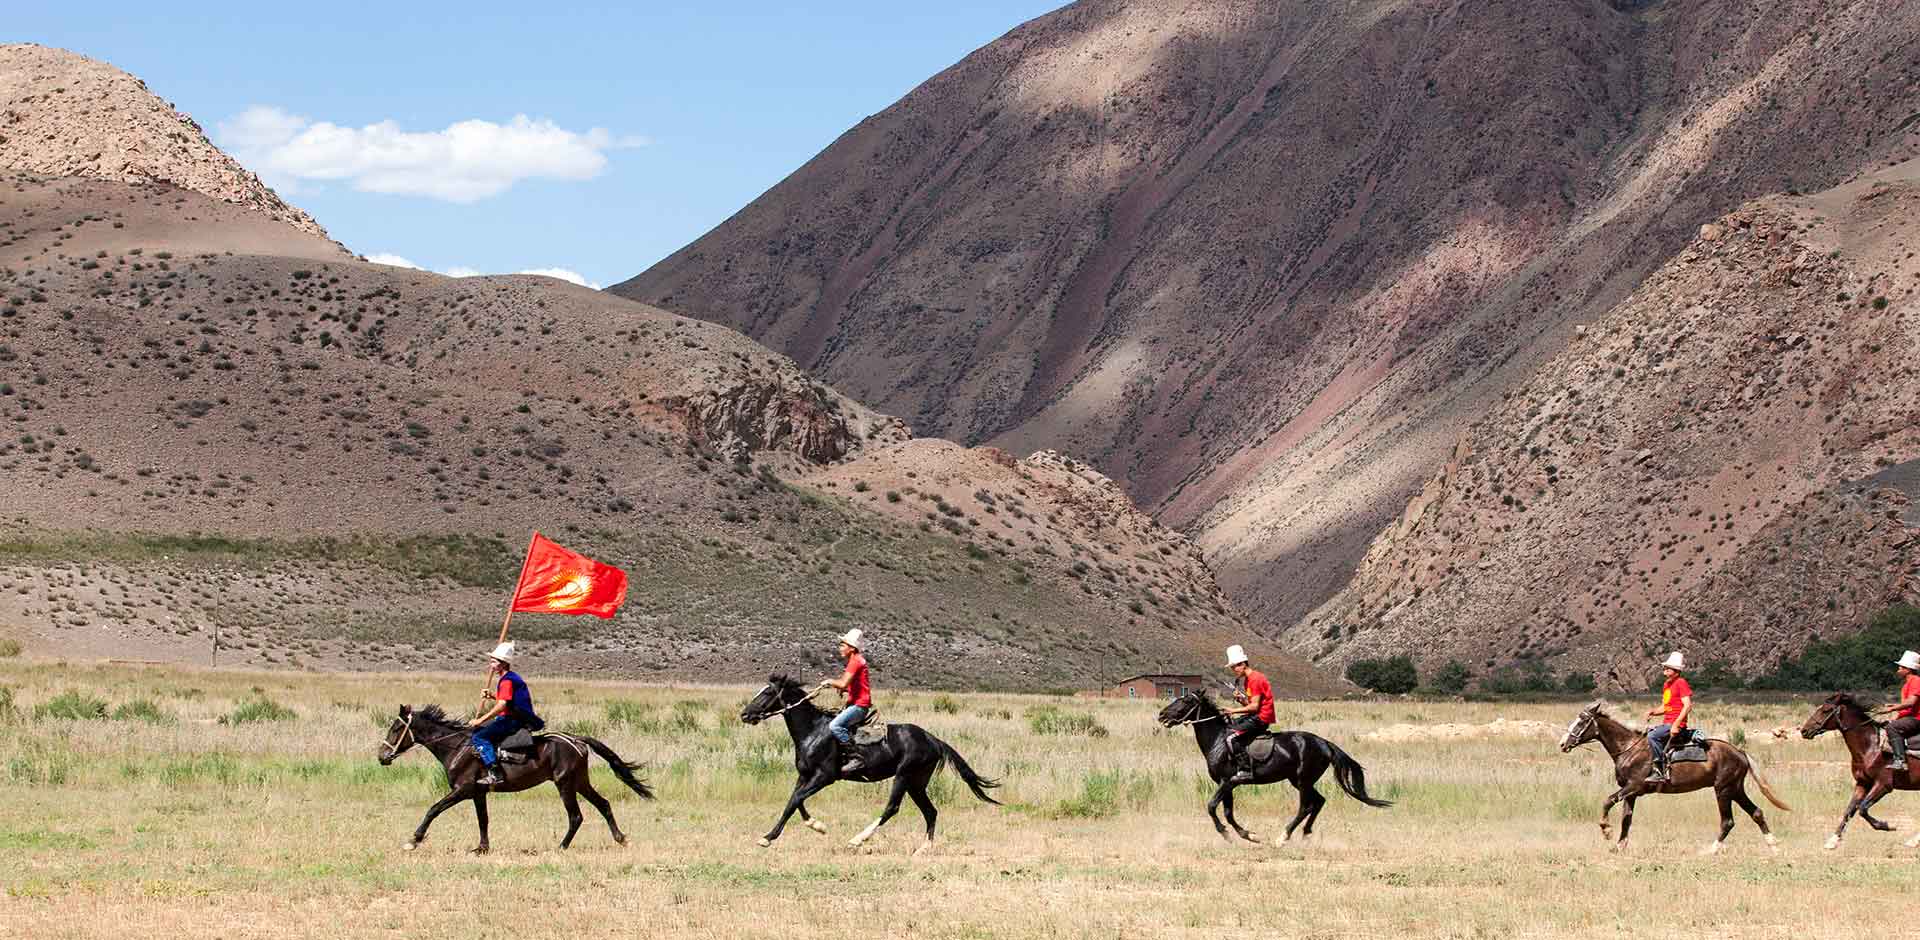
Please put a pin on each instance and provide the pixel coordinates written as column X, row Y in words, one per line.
column 1242, row 764
column 1898, row 761
column 492, row 777
column 852, row 763
column 1659, row 772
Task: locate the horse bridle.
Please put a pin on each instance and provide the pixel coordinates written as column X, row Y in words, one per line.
column 1216, row 716
column 1834, row 711
column 785, row 708
column 399, row 744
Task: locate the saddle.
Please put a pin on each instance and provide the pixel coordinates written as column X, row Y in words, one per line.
column 1886, row 743
column 519, row 746
column 869, row 731
column 1688, row 747
column 1261, row 747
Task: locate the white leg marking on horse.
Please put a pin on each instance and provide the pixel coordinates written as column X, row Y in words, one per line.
column 1833, row 842
column 765, row 842
column 865, row 834
column 817, row 826
column 1913, row 842
column 1713, row 849
column 923, row 847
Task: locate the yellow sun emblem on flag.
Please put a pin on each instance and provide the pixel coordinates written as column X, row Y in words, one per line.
column 569, row 590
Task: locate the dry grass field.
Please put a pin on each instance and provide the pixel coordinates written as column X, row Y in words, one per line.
column 162, row 818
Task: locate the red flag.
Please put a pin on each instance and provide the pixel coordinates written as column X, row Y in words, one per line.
column 557, row 581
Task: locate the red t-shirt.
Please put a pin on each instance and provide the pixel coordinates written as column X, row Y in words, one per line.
column 1670, row 696
column 1909, row 689
column 858, row 693
column 505, row 692
column 1257, row 684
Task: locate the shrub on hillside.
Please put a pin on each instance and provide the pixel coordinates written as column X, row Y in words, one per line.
column 1048, row 719
column 141, row 709
column 257, row 709
column 1861, row 661
column 1394, row 675
column 1451, row 679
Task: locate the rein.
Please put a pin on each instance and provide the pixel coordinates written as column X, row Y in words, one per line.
column 1196, row 721
column 796, row 704
column 394, row 747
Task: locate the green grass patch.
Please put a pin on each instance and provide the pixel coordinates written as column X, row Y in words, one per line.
column 70, row 705
column 257, row 710
column 141, row 709
column 1051, row 719
column 474, row 561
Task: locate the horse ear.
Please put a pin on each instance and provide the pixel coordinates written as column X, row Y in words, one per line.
column 405, row 711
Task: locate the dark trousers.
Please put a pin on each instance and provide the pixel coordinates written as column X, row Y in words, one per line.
column 1240, row 730
column 1657, row 738
column 1898, row 731
column 487, row 737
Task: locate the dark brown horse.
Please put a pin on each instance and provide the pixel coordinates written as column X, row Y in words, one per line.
column 1872, row 777
column 561, row 758
column 1725, row 770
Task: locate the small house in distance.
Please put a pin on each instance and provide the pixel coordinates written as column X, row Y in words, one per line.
column 1154, row 685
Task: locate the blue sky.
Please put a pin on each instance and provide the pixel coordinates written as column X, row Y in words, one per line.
column 700, row 107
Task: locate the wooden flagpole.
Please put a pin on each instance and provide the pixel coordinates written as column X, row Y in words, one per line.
column 486, row 694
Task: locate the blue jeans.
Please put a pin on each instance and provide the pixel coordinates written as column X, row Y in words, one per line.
column 1657, row 738
column 487, row 738
column 843, row 723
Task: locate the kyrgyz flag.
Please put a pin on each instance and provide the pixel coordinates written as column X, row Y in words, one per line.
column 557, row 581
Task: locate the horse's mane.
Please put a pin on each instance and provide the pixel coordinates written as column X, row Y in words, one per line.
column 783, row 680
column 434, row 714
column 1848, row 699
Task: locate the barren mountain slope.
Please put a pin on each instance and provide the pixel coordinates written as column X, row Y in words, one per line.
column 336, row 463
column 1262, row 262
column 63, row 114
column 1722, row 464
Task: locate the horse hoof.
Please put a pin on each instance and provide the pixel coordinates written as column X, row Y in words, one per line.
column 817, row 826
column 1833, row 842
column 411, row 846
column 854, row 843
column 619, row 840
column 765, row 843
column 1711, row 849
column 479, row 850
column 923, row 847
column 1250, row 837
column 1913, row 842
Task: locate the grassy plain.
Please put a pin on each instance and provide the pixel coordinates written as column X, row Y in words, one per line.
column 162, row 819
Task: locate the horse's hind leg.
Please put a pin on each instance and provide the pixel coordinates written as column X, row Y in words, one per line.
column 1745, row 802
column 480, row 816
column 1626, row 822
column 1300, row 812
column 893, row 806
column 1875, row 795
column 918, row 790
column 606, row 809
column 1314, row 803
column 1725, row 800
column 573, row 814
column 1853, row 806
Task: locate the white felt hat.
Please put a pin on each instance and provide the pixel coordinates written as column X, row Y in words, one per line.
column 1676, row 661
column 503, row 652
column 852, row 638
column 1235, row 655
column 1910, row 660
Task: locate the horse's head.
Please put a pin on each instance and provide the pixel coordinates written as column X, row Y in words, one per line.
column 1187, row 708
column 780, row 692
column 399, row 736
column 1840, row 712
column 1585, row 728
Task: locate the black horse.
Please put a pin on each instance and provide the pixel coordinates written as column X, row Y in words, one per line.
column 1298, row 757
column 908, row 754
column 561, row 758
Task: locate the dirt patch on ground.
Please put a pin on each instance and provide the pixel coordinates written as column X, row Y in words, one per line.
column 1497, row 728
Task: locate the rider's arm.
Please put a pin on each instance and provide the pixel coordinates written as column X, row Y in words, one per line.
column 846, row 679
column 1686, row 708
column 499, row 708
column 1252, row 706
column 1905, row 703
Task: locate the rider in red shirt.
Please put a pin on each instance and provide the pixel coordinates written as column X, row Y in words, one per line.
column 1250, row 719
column 1676, row 703
column 1905, row 712
column 854, row 685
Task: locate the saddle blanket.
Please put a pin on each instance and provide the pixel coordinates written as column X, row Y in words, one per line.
column 1693, row 751
column 1886, row 743
column 871, row 732
column 520, row 746
column 1262, row 747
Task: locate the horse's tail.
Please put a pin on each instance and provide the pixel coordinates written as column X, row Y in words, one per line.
column 1765, row 790
column 1352, row 777
column 978, row 784
column 621, row 768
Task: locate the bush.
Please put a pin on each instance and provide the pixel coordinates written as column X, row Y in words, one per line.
column 1861, row 661
column 1047, row 719
column 8, row 711
column 945, row 705
column 258, row 709
column 1394, row 675
column 77, row 706
column 1578, row 683
column 9, row 648
column 1452, row 678
column 142, row 710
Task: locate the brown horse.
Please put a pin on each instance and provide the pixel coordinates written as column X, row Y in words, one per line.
column 561, row 758
column 1725, row 770
column 1872, row 777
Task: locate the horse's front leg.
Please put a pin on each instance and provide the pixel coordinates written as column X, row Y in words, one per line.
column 1882, row 786
column 1213, row 807
column 812, row 823
column 464, row 792
column 801, row 791
column 1626, row 821
column 480, row 815
column 1226, row 803
column 1853, row 806
column 1606, row 812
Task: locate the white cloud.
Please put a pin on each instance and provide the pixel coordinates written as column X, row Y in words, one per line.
column 563, row 274
column 460, row 271
column 392, row 261
column 467, row 161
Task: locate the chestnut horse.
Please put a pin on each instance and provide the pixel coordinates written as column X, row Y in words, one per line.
column 1872, row 777
column 1725, row 770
